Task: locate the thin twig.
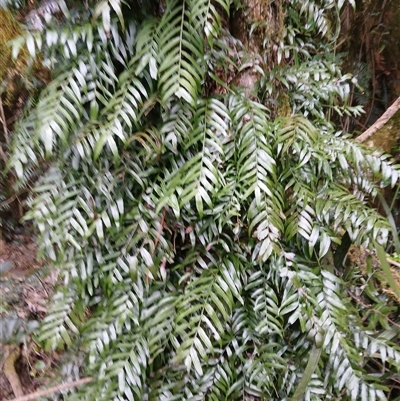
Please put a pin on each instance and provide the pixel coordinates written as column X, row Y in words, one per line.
column 393, row 262
column 3, row 121
column 389, row 113
column 3, row 155
column 370, row 308
column 48, row 391
column 12, row 198
column 159, row 232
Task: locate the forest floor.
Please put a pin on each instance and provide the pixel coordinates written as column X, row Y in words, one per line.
column 25, row 288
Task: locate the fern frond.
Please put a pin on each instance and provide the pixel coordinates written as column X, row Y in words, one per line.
column 202, row 313
column 200, row 177
column 180, row 72
column 194, row 227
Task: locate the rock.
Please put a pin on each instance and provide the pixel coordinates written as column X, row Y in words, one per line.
column 6, row 266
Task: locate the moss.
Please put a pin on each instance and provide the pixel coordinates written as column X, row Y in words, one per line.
column 10, row 29
column 387, row 138
column 16, row 74
column 284, row 108
column 9, row 68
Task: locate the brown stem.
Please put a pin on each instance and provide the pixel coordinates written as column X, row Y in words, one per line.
column 3, row 121
column 48, row 391
column 393, row 262
column 9, row 370
column 3, row 155
column 389, row 113
column 11, row 198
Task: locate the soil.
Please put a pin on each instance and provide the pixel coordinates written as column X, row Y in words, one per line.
column 25, row 288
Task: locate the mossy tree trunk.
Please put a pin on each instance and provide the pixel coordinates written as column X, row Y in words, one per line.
column 258, row 24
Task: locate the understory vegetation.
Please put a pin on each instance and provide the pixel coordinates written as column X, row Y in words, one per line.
column 200, row 229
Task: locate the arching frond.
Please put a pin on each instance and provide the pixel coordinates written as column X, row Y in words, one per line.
column 194, row 227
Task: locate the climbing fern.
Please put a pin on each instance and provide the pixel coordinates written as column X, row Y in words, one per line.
column 194, row 228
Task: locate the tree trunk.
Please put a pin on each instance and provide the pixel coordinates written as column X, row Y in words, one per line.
column 259, row 26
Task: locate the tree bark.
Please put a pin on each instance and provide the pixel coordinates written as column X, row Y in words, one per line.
column 257, row 22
